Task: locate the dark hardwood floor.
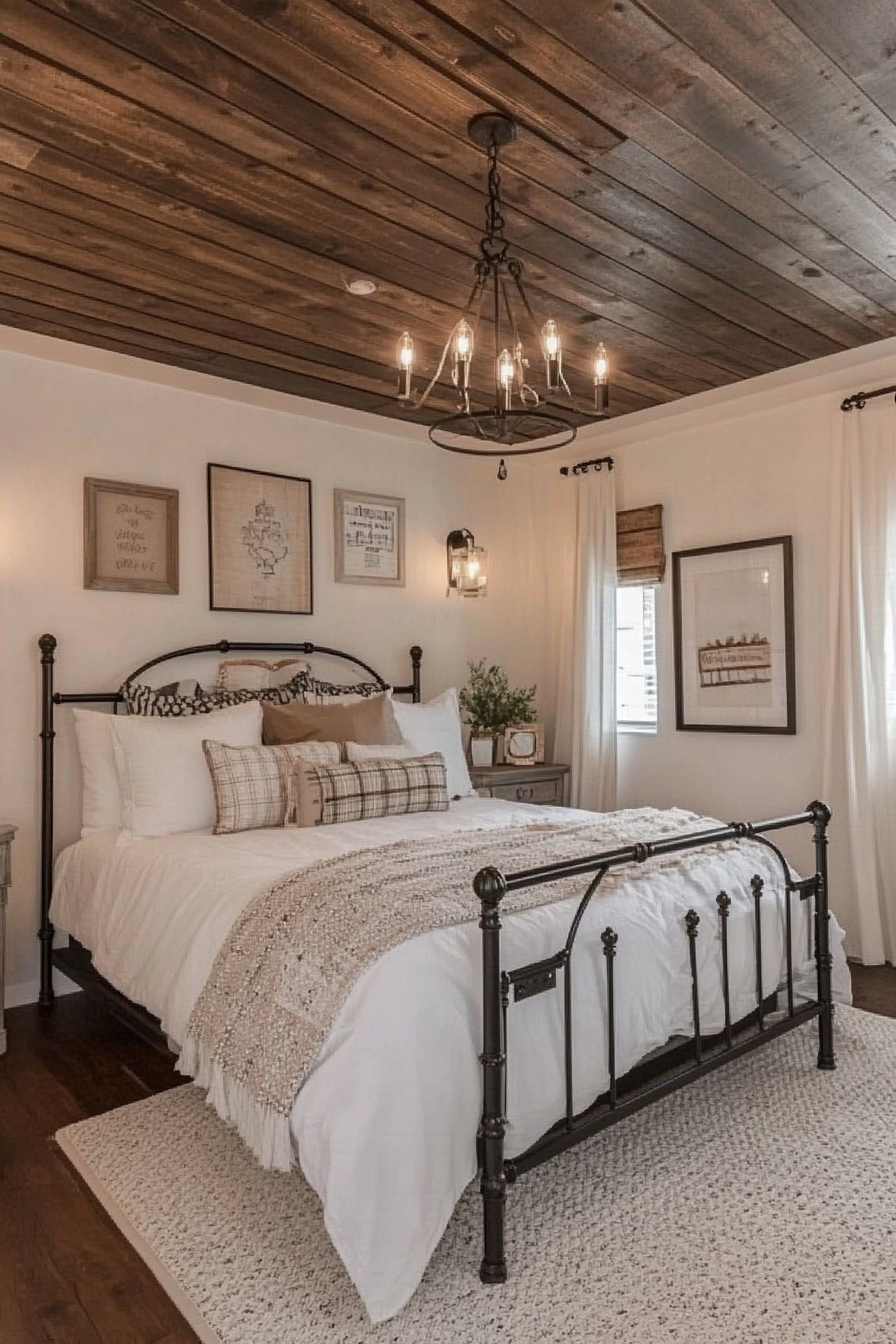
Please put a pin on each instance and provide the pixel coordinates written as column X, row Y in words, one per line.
column 66, row 1273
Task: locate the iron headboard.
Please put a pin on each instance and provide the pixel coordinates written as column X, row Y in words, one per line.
column 50, row 698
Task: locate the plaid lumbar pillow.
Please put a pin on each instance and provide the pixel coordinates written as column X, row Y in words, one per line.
column 361, row 790
column 253, row 784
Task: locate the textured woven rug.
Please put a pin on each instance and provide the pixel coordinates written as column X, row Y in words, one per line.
column 757, row 1206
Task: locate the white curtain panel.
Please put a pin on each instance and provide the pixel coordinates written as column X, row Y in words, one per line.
column 586, row 684
column 860, row 729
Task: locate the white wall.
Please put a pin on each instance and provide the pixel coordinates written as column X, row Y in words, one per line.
column 60, row 423
column 730, row 465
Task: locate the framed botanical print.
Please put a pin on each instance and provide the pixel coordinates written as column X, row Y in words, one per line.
column 130, row 537
column 369, row 532
column 734, row 647
column 259, row 541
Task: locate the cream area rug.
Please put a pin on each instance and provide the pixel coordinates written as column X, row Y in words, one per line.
column 757, row 1206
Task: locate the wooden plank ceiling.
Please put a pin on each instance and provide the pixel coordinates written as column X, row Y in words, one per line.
column 705, row 185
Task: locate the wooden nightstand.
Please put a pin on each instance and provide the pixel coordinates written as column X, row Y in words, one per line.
column 6, row 835
column 522, row 783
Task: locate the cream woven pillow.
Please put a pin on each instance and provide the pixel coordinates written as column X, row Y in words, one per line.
column 252, row 784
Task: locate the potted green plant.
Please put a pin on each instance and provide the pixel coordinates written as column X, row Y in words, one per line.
column 489, row 704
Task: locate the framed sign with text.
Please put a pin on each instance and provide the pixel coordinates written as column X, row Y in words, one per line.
column 369, row 532
column 130, row 537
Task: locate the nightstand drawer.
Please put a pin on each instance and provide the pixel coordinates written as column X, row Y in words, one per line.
column 538, row 791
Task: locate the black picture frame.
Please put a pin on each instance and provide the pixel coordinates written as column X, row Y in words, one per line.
column 259, row 541
column 734, row 637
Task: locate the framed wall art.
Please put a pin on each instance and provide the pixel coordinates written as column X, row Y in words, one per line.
column 369, row 537
column 734, row 650
column 259, row 541
column 130, row 537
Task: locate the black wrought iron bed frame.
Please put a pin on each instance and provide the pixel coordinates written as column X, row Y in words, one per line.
column 682, row 1062
column 75, row 961
column 664, row 1072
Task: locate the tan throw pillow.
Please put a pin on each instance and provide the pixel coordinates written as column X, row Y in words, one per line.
column 359, row 791
column 252, row 785
column 370, row 720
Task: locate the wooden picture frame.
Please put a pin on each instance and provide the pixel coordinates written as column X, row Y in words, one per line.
column 734, row 642
column 130, row 537
column 369, row 538
column 259, row 541
column 524, row 744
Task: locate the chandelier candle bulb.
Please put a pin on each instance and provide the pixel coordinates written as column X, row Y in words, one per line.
column 550, row 345
column 405, row 366
column 506, row 371
column 601, row 379
column 463, row 354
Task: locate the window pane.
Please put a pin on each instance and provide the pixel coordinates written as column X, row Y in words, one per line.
column 636, row 657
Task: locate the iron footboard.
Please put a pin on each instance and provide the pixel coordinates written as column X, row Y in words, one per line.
column 698, row 1055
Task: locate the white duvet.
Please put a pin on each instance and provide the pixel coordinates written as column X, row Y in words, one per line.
column 385, row 1125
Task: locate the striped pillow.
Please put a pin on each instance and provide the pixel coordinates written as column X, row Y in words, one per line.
column 361, row 790
column 252, row 784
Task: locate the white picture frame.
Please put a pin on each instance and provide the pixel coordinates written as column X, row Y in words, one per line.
column 369, row 538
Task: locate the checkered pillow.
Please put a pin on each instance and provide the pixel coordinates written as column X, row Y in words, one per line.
column 361, row 790
column 252, row 785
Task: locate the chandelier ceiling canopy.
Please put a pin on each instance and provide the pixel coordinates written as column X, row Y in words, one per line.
column 522, row 419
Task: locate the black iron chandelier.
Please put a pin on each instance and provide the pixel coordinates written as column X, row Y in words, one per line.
column 522, row 420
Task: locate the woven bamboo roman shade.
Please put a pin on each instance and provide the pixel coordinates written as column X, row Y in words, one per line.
column 640, row 556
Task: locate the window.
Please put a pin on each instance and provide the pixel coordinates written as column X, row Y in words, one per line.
column 636, row 659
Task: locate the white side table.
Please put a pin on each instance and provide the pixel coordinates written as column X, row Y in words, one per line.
column 6, row 835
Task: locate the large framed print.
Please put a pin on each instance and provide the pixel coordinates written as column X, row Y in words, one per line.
column 259, row 541
column 130, row 537
column 369, row 538
column 734, row 652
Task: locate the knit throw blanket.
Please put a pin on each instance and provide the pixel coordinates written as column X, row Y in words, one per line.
column 291, row 959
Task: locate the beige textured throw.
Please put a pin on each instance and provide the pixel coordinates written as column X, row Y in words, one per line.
column 293, row 956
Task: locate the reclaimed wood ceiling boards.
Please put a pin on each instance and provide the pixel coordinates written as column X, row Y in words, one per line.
column 706, row 185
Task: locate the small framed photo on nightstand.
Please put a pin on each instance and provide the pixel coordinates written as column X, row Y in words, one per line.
column 524, row 744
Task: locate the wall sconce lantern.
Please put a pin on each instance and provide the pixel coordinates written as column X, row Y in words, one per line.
column 467, row 565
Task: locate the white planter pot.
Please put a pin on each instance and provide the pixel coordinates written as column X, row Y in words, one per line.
column 482, row 750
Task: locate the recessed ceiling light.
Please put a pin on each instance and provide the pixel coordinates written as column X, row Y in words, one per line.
column 360, row 286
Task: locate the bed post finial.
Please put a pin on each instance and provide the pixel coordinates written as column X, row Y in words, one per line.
column 490, row 886
column 47, row 644
column 824, row 960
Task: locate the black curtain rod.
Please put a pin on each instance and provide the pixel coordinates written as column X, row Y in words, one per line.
column 858, row 399
column 581, row 467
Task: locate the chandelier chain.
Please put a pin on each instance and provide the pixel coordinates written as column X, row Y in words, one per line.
column 493, row 245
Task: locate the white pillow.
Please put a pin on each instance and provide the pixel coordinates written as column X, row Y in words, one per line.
column 379, row 751
column 165, row 784
column 100, row 786
column 435, row 726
